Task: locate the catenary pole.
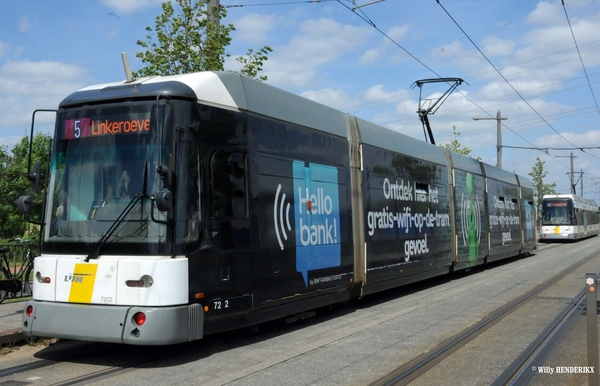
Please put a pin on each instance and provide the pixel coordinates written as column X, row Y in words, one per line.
column 499, row 120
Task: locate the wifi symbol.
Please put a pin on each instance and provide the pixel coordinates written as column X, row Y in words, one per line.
column 278, row 216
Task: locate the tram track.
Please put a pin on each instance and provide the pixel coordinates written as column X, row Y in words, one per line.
column 520, row 371
column 99, row 353
column 102, row 374
column 536, row 351
column 78, row 380
column 58, row 354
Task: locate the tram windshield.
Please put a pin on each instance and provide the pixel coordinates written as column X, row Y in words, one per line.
column 557, row 212
column 102, row 158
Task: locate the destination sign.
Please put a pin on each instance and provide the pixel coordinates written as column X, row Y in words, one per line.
column 557, row 204
column 88, row 127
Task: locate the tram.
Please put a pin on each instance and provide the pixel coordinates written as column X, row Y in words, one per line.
column 186, row 205
column 567, row 217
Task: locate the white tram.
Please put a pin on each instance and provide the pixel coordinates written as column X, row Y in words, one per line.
column 568, row 217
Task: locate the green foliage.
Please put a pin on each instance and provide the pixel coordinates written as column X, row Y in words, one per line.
column 252, row 63
column 456, row 147
column 190, row 42
column 540, row 188
column 14, row 183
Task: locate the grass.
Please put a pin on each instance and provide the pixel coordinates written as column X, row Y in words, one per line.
column 7, row 348
column 41, row 341
column 16, row 300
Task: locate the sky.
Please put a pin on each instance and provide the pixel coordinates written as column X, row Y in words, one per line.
column 537, row 62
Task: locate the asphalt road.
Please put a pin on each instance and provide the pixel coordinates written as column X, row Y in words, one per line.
column 354, row 344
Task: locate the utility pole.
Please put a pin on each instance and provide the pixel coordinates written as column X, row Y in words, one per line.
column 572, row 174
column 213, row 9
column 596, row 184
column 214, row 18
column 498, row 135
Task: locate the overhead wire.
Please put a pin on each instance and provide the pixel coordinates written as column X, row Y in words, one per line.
column 513, row 88
column 278, row 3
column 366, row 19
column 579, row 53
column 503, row 77
column 371, row 23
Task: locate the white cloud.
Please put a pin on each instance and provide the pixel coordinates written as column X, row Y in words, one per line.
column 589, row 138
column 546, row 13
column 24, row 25
column 254, row 28
column 451, row 50
column 29, row 72
column 552, row 42
column 26, row 86
column 316, row 43
column 398, row 32
column 370, row 56
column 130, row 6
column 12, row 140
column 323, row 40
column 378, row 94
column 494, row 46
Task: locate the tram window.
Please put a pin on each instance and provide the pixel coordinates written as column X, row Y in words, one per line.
column 421, row 192
column 192, row 194
column 229, row 184
column 501, row 202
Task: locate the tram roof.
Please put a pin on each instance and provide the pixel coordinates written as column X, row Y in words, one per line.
column 228, row 90
column 233, row 91
column 573, row 197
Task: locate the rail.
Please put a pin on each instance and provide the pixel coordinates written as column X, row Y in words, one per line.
column 412, row 370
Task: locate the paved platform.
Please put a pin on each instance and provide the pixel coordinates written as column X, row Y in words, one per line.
column 11, row 317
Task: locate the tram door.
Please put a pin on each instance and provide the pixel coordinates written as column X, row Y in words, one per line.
column 229, row 204
column 229, row 229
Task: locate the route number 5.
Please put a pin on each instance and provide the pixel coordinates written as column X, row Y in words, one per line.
column 77, row 129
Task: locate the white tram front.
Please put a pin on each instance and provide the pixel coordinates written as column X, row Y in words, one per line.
column 568, row 217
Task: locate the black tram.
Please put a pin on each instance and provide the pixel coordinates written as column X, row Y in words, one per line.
column 186, row 205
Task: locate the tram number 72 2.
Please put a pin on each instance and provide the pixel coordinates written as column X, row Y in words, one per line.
column 220, row 304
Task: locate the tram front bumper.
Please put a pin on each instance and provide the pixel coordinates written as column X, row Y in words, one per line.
column 113, row 324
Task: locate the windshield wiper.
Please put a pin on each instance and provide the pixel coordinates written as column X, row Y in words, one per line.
column 96, row 251
column 137, row 198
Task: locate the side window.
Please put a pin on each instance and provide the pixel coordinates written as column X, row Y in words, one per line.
column 229, row 198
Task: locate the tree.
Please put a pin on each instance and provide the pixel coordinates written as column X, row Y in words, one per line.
column 252, row 63
column 456, row 147
column 14, row 183
column 191, row 42
column 540, row 188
